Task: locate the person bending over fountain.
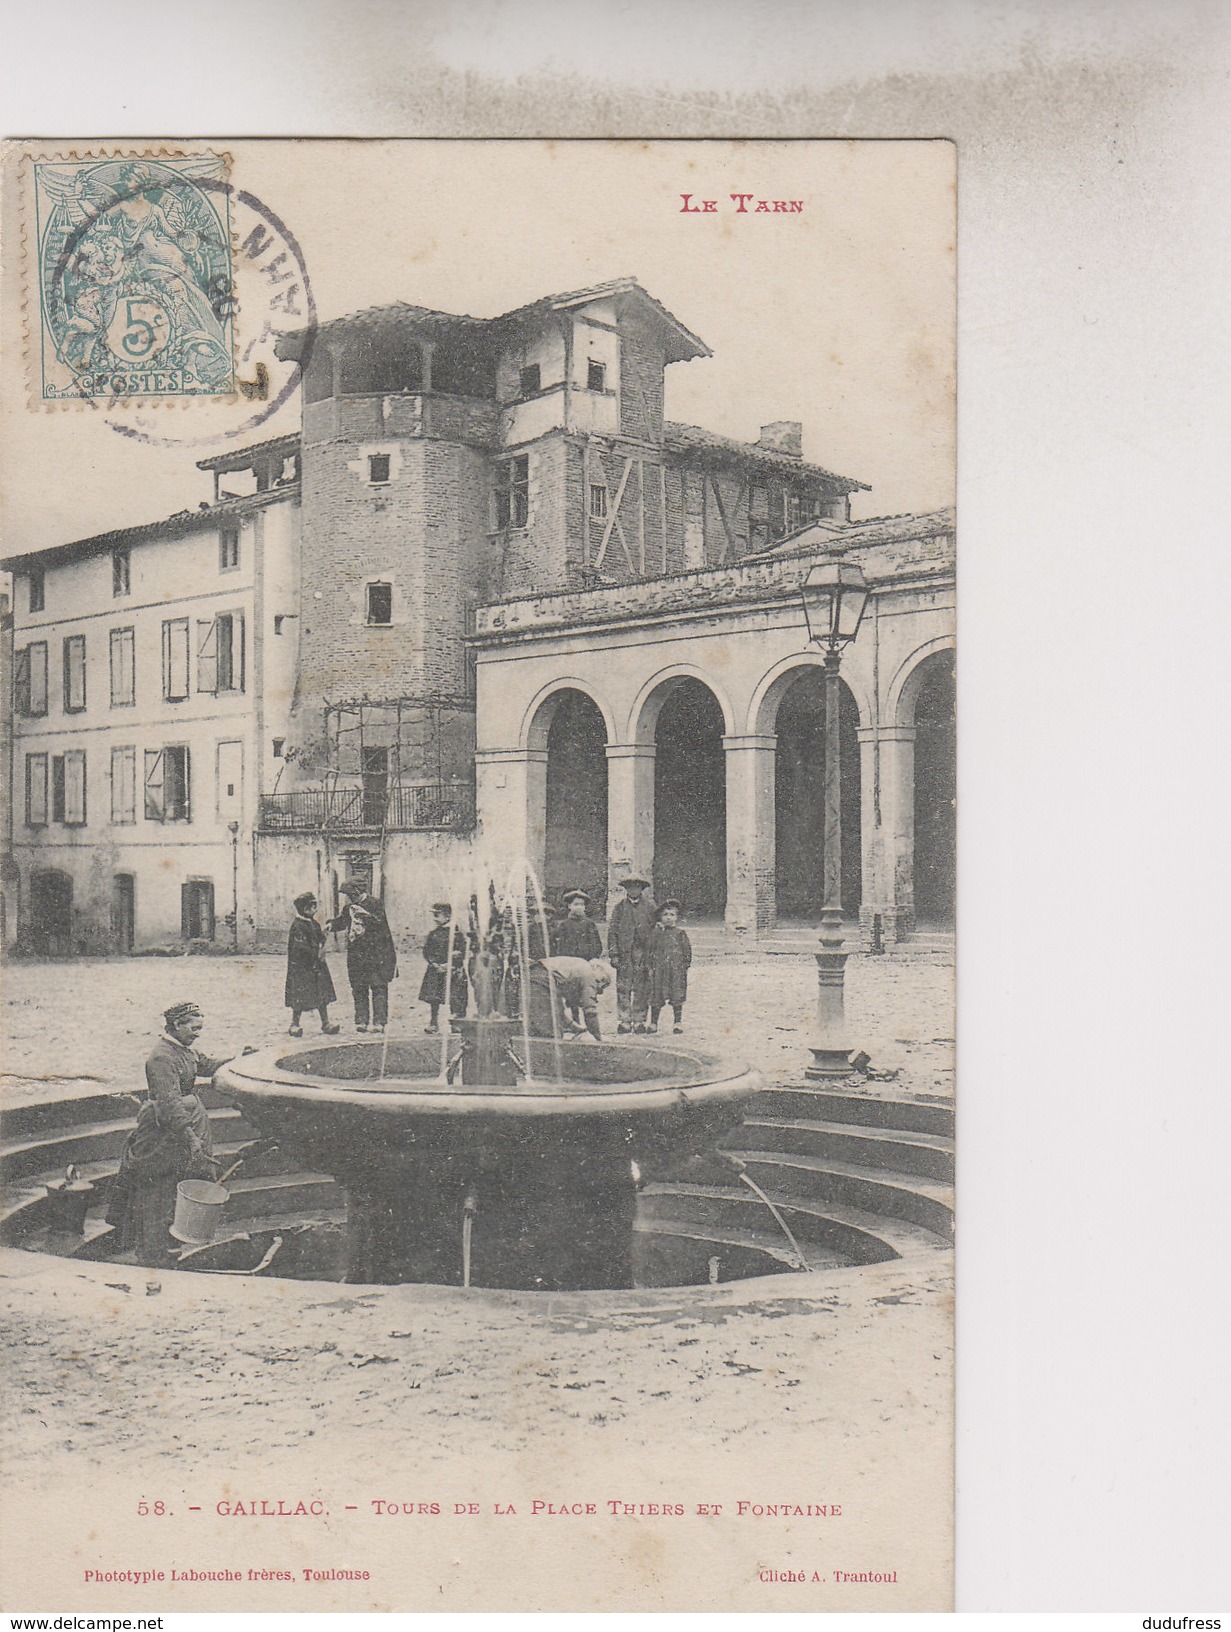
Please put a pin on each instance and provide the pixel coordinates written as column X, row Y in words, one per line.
column 371, row 957
column 557, row 984
column 628, row 948
column 170, row 1142
column 444, row 949
column 309, row 984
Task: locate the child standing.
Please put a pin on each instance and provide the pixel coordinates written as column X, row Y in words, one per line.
column 670, row 958
column 440, row 955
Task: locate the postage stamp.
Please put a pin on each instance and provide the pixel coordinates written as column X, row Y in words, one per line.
column 134, row 279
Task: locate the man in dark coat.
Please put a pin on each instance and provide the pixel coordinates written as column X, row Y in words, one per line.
column 628, row 949
column 170, row 1142
column 309, row 984
column 371, row 957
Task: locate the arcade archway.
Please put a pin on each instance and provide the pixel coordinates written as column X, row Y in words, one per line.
column 799, row 798
column 575, row 841
column 690, row 799
column 935, row 792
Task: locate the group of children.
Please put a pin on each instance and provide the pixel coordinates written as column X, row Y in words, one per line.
column 646, row 946
column 649, row 951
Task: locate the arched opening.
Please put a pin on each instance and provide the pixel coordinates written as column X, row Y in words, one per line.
column 935, row 792
column 690, row 800
column 51, row 914
column 575, row 851
column 799, row 798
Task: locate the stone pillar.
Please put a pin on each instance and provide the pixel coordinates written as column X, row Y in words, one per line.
column 630, row 811
column 897, row 805
column 876, row 895
column 511, row 798
column 750, row 833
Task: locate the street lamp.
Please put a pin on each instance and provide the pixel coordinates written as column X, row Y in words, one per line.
column 233, row 830
column 834, row 596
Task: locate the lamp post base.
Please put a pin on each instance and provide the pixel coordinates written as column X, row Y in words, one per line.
column 829, row 1060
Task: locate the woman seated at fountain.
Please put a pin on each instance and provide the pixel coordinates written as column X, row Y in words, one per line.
column 444, row 949
column 560, row 984
column 170, row 1142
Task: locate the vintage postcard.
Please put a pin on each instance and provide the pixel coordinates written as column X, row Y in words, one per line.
column 478, row 875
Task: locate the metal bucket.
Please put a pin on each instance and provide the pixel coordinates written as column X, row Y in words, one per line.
column 198, row 1210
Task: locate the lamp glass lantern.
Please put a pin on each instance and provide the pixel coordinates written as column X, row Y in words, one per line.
column 834, row 596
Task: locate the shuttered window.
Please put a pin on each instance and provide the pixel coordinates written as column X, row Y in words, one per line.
column 220, row 653
column 175, row 659
column 123, row 785
column 74, row 788
column 168, row 785
column 36, row 790
column 123, row 669
column 30, row 680
column 74, row 674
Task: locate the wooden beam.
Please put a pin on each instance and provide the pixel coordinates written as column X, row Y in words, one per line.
column 641, row 514
column 612, row 522
column 662, row 495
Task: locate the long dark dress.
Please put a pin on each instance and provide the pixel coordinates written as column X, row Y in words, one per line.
column 436, row 951
column 170, row 1141
column 309, row 984
column 670, row 959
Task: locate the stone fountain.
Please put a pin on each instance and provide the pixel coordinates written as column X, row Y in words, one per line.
column 492, row 1158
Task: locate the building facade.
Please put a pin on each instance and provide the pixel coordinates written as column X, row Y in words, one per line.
column 492, row 596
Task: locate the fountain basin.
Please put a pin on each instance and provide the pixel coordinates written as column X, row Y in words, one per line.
column 517, row 1184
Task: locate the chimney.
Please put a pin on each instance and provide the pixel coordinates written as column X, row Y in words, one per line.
column 783, row 436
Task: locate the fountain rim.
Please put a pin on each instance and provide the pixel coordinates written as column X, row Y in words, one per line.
column 716, row 1081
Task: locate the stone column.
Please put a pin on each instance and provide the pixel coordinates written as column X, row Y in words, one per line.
column 630, row 811
column 897, row 803
column 750, row 833
column 876, row 894
column 511, row 798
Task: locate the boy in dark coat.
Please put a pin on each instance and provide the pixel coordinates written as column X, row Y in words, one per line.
column 670, row 959
column 371, row 957
column 440, row 955
column 576, row 935
column 309, row 984
column 628, row 950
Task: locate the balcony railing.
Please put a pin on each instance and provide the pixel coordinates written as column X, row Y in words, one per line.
column 428, row 807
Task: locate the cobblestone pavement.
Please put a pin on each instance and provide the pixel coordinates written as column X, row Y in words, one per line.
column 86, row 1026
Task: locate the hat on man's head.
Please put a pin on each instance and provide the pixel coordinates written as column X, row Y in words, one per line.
column 302, row 900
column 442, row 907
column 179, row 1012
column 350, row 888
column 634, row 881
column 575, row 895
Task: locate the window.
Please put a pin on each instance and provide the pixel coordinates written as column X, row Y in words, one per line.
column 36, row 790
column 380, row 603
column 197, row 909
column 121, row 572
column 279, row 745
column 513, row 491
column 74, row 674
column 378, row 468
column 123, row 785
column 38, row 589
column 167, row 785
column 228, row 546
column 68, row 788
column 596, row 376
column 175, row 659
column 801, row 509
column 30, row 680
column 279, row 619
column 123, row 669
column 598, row 501
column 220, row 653
column 531, row 379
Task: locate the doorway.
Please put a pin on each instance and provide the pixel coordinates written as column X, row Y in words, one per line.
column 123, row 913
column 51, row 914
column 197, row 909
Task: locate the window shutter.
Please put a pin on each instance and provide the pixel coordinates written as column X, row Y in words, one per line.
column 207, row 655
column 237, row 651
column 175, row 659
column 38, row 678
column 186, row 812
column 153, row 785
column 74, row 788
column 21, row 681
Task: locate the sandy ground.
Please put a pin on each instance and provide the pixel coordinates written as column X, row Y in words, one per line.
column 123, row 1384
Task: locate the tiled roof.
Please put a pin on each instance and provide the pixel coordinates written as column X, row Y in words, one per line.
column 855, row 534
column 182, row 521
column 691, row 438
column 689, row 345
column 239, row 458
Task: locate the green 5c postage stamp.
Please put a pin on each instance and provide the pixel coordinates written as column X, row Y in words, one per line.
column 134, row 277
